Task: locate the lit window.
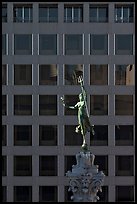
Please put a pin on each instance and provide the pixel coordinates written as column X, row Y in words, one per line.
column 98, row 74
column 22, row 13
column 71, row 137
column 73, row 44
column 48, row 44
column 124, row 105
column 48, row 166
column 71, row 74
column 22, row 74
column 48, row 194
column 48, row 13
column 124, row 13
column 123, row 44
column 124, row 74
column 124, row 135
column 23, row 105
column 73, row 13
column 125, row 194
column 22, row 194
column 48, row 135
column 4, row 74
column 98, row 44
column 101, row 136
column 22, row 135
column 22, row 165
column 98, row 13
column 4, row 13
column 98, row 104
column 124, row 165
column 48, row 74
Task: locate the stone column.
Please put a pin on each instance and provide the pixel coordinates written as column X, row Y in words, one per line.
column 85, row 180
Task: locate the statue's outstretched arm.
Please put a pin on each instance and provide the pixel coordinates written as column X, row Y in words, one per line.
column 64, row 104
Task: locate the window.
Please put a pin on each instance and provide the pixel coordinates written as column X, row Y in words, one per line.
column 124, row 13
column 23, row 105
column 4, row 193
column 73, row 13
column 48, row 166
column 69, row 161
column 71, row 137
column 125, row 193
column 123, row 44
column 124, row 166
column 22, row 165
column 101, row 136
column 22, row 194
column 4, row 135
column 102, row 162
column 103, row 196
column 71, row 74
column 4, row 13
column 73, row 44
column 48, row 105
column 98, row 13
column 98, row 74
column 98, row 104
column 22, row 74
column 4, row 44
column 70, row 100
column 123, row 105
column 124, row 135
column 68, row 194
column 124, row 74
column 48, row 135
column 48, row 44
column 98, row 44
column 4, row 74
column 4, row 105
column 22, row 135
column 22, row 44
column 22, row 13
column 48, row 74
column 48, row 13
column 48, row 194
column 4, row 165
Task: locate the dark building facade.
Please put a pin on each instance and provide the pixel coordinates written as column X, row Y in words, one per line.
column 45, row 47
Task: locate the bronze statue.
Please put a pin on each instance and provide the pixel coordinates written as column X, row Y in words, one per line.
column 84, row 125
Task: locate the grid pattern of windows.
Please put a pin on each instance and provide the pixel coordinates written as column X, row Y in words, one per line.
column 46, row 47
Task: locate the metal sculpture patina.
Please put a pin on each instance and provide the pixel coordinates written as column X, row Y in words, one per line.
column 84, row 124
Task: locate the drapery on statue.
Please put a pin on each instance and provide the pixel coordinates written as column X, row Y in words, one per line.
column 84, row 125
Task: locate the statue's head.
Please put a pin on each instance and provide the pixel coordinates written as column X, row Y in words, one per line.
column 81, row 98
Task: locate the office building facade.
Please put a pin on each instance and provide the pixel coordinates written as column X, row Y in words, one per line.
column 45, row 47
